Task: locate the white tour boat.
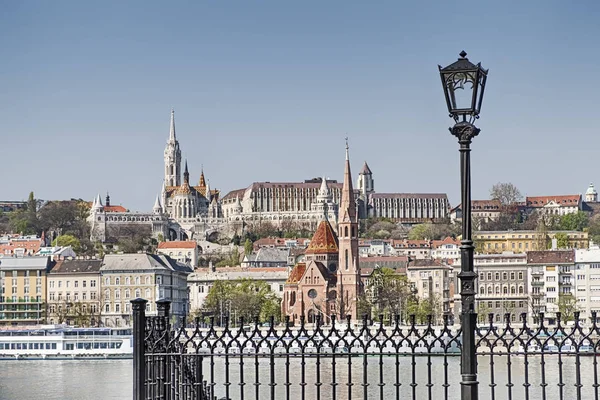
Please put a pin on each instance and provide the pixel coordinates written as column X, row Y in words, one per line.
column 63, row 342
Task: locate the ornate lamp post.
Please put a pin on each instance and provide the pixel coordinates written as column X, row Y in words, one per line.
column 464, row 84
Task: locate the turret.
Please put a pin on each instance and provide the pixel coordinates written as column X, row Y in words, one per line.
column 157, row 209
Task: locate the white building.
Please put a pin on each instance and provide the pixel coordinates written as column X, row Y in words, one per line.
column 184, row 251
column 586, row 282
column 447, row 249
column 149, row 276
column 202, row 280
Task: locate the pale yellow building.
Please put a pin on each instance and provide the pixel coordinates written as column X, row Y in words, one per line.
column 74, row 292
column 491, row 242
column 148, row 276
column 432, row 280
column 23, row 290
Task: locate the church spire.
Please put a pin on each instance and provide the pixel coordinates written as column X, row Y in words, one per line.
column 186, row 174
column 172, row 137
column 202, row 182
column 157, row 209
column 347, row 205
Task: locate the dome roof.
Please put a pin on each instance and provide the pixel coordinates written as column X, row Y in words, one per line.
column 324, row 240
column 591, row 189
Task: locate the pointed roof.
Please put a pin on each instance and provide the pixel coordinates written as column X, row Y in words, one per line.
column 202, row 182
column 297, row 273
column 97, row 201
column 186, row 174
column 172, row 137
column 324, row 189
column 591, row 189
column 157, row 204
column 366, row 170
column 347, row 205
column 324, row 240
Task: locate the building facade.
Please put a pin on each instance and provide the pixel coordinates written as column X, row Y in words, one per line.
column 551, row 275
column 23, row 285
column 74, row 292
column 496, row 242
column 502, row 286
column 432, row 280
column 149, row 276
column 201, row 281
column 184, row 251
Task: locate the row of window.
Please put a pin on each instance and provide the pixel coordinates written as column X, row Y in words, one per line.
column 505, row 276
column 127, row 293
column 26, row 273
column 59, row 296
column 15, row 281
column 68, row 283
column 14, row 290
column 84, row 308
column 505, row 290
column 127, row 280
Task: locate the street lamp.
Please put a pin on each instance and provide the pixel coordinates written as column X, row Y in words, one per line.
column 464, row 84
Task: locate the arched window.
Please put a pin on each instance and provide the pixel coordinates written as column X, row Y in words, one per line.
column 138, row 293
column 117, row 294
column 504, row 289
column 147, row 280
column 521, row 290
column 497, row 289
column 490, row 290
column 137, row 280
column 107, row 281
column 127, row 281
column 107, row 294
column 107, row 308
column 481, row 290
column 117, row 281
column 513, row 290
column 148, row 293
column 127, row 293
column 345, row 231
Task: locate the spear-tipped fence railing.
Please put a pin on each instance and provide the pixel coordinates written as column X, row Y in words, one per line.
column 385, row 360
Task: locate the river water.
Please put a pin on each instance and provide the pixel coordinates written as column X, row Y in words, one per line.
column 112, row 379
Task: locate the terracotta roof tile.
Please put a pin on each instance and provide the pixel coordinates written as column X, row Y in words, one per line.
column 297, row 273
column 541, row 201
column 324, row 240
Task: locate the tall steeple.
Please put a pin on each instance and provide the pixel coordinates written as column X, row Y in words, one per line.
column 157, row 209
column 347, row 204
column 172, row 157
column 348, row 279
column 172, row 137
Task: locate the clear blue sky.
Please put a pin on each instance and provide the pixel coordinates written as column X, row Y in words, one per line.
column 267, row 91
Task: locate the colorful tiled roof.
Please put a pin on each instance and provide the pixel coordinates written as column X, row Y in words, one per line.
column 297, row 273
column 324, row 240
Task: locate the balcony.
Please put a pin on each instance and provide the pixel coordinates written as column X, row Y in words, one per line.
column 537, row 283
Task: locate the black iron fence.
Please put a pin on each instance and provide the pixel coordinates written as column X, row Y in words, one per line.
column 383, row 360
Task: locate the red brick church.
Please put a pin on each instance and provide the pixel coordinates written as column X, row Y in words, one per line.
column 328, row 281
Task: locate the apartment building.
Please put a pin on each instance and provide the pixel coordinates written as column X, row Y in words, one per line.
column 149, row 276
column 432, row 280
column 502, row 286
column 23, row 283
column 496, row 242
column 74, row 292
column 586, row 284
column 551, row 275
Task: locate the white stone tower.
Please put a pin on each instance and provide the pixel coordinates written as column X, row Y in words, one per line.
column 366, row 186
column 172, row 157
column 591, row 195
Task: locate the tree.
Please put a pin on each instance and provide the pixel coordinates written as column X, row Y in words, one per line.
column 433, row 231
column 246, row 298
column 594, row 229
column 567, row 305
column 562, row 240
column 483, row 312
column 389, row 291
column 574, row 221
column 68, row 240
column 248, row 247
column 506, row 193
